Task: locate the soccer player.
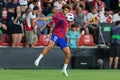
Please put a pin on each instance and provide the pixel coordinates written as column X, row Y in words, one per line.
column 58, row 37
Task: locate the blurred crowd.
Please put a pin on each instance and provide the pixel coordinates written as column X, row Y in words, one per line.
column 18, row 18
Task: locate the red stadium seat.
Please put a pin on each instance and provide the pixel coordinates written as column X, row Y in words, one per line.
column 6, row 40
column 80, row 41
column 87, row 40
column 44, row 39
column 38, row 42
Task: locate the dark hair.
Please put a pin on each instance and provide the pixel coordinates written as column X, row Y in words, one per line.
column 15, row 15
column 66, row 6
column 107, row 9
column 27, row 9
column 53, row 7
column 36, row 8
column 2, row 21
column 73, row 26
column 35, row 0
column 117, row 22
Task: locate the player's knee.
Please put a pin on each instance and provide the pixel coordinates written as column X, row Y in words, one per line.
column 68, row 55
column 50, row 46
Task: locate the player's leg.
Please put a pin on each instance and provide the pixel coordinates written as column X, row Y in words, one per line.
column 110, row 61
column 116, row 62
column 66, row 50
column 54, row 40
column 116, row 59
column 44, row 52
column 111, row 55
column 67, row 59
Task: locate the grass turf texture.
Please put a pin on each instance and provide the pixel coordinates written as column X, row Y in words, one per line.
column 55, row 74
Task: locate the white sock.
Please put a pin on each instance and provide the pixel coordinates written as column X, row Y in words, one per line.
column 65, row 67
column 39, row 58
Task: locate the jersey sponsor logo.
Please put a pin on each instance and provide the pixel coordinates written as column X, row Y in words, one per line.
column 55, row 38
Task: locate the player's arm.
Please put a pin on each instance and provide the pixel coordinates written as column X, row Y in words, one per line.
column 67, row 30
column 51, row 29
column 51, row 25
column 45, row 18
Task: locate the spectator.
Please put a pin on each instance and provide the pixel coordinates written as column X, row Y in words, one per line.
column 81, row 3
column 100, row 6
column 11, row 8
column 93, row 18
column 73, row 37
column 106, row 17
column 47, row 9
column 30, row 29
column 115, row 45
column 116, row 16
column 29, row 2
column 4, row 13
column 35, row 3
column 23, row 5
column 73, row 3
column 59, row 4
column 41, row 24
column 2, row 27
column 17, row 29
column 80, row 20
column 89, row 5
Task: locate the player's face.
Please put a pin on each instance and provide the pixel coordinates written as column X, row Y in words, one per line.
column 54, row 10
column 65, row 11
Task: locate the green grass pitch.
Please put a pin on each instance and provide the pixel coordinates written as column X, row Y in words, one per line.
column 56, row 74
